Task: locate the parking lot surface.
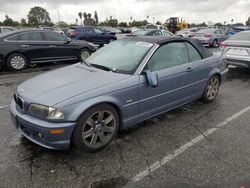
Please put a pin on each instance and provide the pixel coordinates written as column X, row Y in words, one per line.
column 198, row 145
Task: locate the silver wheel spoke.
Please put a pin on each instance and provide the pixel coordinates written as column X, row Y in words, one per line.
column 108, row 129
column 108, row 119
column 90, row 122
column 88, row 133
column 100, row 116
column 93, row 140
column 102, row 138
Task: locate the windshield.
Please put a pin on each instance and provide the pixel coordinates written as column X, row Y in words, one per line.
column 206, row 31
column 243, row 36
column 140, row 32
column 121, row 56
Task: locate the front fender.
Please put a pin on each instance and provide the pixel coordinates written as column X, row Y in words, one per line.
column 74, row 111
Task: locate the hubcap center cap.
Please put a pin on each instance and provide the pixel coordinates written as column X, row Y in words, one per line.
column 98, row 128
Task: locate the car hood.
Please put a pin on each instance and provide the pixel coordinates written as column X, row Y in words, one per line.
column 59, row 85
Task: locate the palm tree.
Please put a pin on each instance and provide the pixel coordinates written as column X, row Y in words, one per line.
column 80, row 16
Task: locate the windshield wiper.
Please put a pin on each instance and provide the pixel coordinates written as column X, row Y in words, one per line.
column 103, row 67
column 84, row 62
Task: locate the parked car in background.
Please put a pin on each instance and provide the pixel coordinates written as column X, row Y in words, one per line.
column 4, row 29
column 237, row 49
column 124, row 29
column 235, row 30
column 19, row 49
column 187, row 32
column 110, row 30
column 152, row 32
column 53, row 29
column 93, row 35
column 153, row 26
column 211, row 37
column 126, row 82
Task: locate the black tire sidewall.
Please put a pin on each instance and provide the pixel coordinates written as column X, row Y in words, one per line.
column 80, row 53
column 8, row 63
column 204, row 97
column 77, row 134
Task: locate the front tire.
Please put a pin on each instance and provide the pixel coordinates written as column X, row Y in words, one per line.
column 212, row 89
column 84, row 54
column 96, row 128
column 17, row 62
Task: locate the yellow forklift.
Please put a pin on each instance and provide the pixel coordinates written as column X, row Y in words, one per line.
column 174, row 24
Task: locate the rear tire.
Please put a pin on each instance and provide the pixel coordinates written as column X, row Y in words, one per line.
column 215, row 44
column 212, row 89
column 17, row 62
column 96, row 128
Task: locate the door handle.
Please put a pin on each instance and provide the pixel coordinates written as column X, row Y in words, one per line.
column 52, row 46
column 189, row 69
column 25, row 45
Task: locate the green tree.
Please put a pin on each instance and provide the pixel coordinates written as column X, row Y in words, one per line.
column 62, row 24
column 123, row 24
column 158, row 23
column 218, row 24
column 8, row 21
column 248, row 21
column 39, row 16
column 23, row 22
column 96, row 18
column 80, row 16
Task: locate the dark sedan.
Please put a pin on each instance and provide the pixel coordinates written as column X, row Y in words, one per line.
column 21, row 48
column 93, row 34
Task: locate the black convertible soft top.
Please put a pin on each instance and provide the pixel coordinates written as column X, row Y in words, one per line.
column 205, row 53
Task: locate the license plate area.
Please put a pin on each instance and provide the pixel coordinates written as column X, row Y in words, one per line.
column 238, row 51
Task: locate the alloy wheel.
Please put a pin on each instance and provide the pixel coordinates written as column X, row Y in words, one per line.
column 98, row 129
column 17, row 62
column 213, row 88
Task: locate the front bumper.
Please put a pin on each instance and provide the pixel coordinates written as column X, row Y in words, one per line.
column 37, row 130
column 238, row 61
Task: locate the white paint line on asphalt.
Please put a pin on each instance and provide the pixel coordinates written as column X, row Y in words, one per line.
column 186, row 146
column 6, row 106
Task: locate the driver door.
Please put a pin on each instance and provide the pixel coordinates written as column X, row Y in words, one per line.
column 171, row 63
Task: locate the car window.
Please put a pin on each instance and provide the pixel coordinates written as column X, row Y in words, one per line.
column 96, row 30
column 169, row 55
column 54, row 37
column 28, row 36
column 7, row 29
column 157, row 33
column 193, row 53
column 166, row 34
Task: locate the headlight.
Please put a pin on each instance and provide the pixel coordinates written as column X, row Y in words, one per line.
column 45, row 112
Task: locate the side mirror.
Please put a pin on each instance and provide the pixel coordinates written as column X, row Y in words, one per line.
column 67, row 41
column 152, row 78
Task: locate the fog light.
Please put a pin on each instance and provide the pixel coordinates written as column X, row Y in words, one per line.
column 56, row 131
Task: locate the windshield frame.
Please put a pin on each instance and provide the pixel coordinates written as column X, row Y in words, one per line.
column 135, row 69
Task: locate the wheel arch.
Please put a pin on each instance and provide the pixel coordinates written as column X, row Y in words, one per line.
column 15, row 52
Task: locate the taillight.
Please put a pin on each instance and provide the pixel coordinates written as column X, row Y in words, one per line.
column 74, row 34
column 223, row 45
column 207, row 35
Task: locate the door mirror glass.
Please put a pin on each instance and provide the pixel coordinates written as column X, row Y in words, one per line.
column 152, row 78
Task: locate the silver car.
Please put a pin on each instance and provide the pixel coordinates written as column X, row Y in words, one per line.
column 211, row 37
column 123, row 83
column 237, row 49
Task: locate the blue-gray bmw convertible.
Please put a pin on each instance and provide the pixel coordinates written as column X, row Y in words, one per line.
column 123, row 83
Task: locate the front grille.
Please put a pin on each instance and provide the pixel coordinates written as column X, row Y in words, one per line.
column 19, row 101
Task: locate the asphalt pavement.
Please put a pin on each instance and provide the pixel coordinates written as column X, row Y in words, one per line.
column 197, row 145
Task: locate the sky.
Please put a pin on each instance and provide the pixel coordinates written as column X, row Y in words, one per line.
column 192, row 11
